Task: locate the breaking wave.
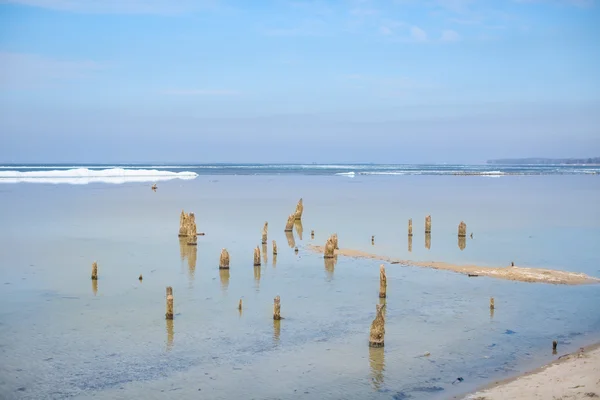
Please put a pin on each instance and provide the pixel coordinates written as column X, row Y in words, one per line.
column 83, row 176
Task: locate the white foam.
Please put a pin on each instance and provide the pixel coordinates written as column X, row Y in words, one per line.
column 83, row 176
column 350, row 174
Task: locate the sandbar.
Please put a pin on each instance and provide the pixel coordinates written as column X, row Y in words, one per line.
column 572, row 376
column 513, row 273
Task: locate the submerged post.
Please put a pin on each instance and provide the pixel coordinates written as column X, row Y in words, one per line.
column 410, row 227
column 264, row 233
column 169, row 314
column 289, row 226
column 277, row 309
column 95, row 271
column 257, row 257
column 224, row 260
column 382, row 282
column 462, row 229
column 376, row 338
column 299, row 210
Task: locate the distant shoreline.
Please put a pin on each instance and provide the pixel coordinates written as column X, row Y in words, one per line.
column 590, row 161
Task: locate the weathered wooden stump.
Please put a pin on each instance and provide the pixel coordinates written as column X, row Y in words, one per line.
column 299, row 210
column 382, row 282
column 289, row 225
column 428, row 224
column 257, row 257
column 462, row 229
column 274, row 248
column 377, row 334
column 169, row 314
column 95, row 271
column 410, row 227
column 492, row 304
column 277, row 308
column 264, row 233
column 224, row 259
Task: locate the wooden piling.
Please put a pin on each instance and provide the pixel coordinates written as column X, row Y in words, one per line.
column 428, row 224
column 169, row 314
column 410, row 227
column 224, row 259
column 264, row 233
column 274, row 248
column 277, row 308
column 95, row 271
column 377, row 333
column 492, row 303
column 462, row 229
column 382, row 282
column 257, row 257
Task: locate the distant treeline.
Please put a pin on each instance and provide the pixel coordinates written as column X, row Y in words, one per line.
column 592, row 160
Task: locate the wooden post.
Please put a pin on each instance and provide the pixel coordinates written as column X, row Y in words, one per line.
column 95, row 271
column 257, row 257
column 428, row 224
column 373, row 239
column 492, row 303
column 382, row 282
column 274, row 248
column 240, row 305
column 462, row 229
column 329, row 248
column 554, row 345
column 410, row 227
column 224, row 259
column 277, row 309
column 299, row 210
column 312, row 234
column 169, row 314
column 377, row 333
column 264, row 233
column 289, row 226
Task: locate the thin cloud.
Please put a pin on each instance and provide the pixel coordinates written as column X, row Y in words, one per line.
column 120, row 6
column 200, row 92
column 418, row 34
column 32, row 71
column 450, row 36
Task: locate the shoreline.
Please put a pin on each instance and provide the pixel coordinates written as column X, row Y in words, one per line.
column 573, row 375
column 513, row 273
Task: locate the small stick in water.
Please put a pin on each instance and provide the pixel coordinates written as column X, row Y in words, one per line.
column 240, row 305
column 373, row 239
column 141, row 277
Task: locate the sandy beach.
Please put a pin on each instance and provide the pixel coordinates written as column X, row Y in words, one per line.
column 572, row 376
column 513, row 273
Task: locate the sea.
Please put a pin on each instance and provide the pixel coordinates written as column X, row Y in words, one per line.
column 64, row 336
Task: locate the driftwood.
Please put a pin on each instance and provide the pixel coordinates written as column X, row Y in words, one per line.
column 376, row 338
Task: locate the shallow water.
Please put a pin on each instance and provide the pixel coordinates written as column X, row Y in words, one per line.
column 63, row 336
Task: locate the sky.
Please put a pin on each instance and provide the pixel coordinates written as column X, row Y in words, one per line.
column 389, row 81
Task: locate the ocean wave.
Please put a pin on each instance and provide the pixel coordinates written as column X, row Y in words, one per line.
column 82, row 176
column 350, row 174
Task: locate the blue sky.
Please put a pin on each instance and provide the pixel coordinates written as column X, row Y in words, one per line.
column 298, row 80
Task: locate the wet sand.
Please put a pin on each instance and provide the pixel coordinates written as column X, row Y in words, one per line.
column 572, row 376
column 513, row 273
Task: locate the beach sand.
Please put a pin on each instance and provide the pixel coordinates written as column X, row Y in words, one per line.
column 513, row 273
column 573, row 376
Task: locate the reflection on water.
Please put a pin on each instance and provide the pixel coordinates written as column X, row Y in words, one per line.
column 190, row 253
column 428, row 241
column 410, row 244
column 462, row 243
column 491, row 313
column 95, row 286
column 274, row 260
column 264, row 251
column 276, row 331
column 170, row 334
column 377, row 364
column 330, row 266
column 224, row 276
column 257, row 277
column 290, row 239
column 299, row 228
